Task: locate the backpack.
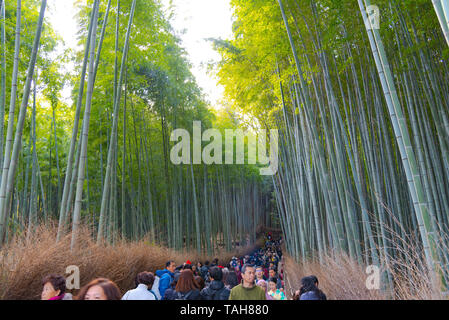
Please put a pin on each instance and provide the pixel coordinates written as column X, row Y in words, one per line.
column 219, row 294
column 180, row 296
column 155, row 288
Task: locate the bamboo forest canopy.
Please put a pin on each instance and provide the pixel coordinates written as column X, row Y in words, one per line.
column 363, row 116
column 103, row 158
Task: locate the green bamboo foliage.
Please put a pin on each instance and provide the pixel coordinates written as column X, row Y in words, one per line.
column 442, row 11
column 359, row 120
column 2, row 79
column 113, row 139
column 7, row 186
column 403, row 139
column 68, row 176
column 85, row 131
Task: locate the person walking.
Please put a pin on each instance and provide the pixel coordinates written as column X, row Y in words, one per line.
column 205, row 271
column 170, row 293
column 260, row 273
column 247, row 290
column 263, row 284
column 273, row 275
column 165, row 277
column 309, row 289
column 216, row 289
column 145, row 280
column 187, row 288
column 274, row 291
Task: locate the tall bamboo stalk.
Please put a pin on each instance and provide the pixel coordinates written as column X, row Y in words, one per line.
column 7, row 186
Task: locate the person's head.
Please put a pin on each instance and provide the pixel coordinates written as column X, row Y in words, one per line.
column 314, row 279
column 199, row 265
column 146, row 278
column 206, row 263
column 175, row 280
column 186, row 282
column 272, row 282
column 53, row 286
column 99, row 289
column 170, row 266
column 263, row 284
column 248, row 274
column 231, row 279
column 215, row 273
column 187, row 266
column 259, row 272
column 272, row 272
column 200, row 281
column 308, row 284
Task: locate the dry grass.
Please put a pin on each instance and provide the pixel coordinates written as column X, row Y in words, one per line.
column 24, row 262
column 343, row 278
column 340, row 278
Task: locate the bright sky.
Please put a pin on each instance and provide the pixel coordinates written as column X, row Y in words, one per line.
column 194, row 21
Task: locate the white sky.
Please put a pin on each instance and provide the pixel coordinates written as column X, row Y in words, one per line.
column 199, row 19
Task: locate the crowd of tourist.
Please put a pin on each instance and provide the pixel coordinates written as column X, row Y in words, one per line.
column 256, row 276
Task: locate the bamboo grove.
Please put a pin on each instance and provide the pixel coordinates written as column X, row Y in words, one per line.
column 363, row 117
column 102, row 159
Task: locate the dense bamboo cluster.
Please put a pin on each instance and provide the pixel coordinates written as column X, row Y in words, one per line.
column 363, row 117
column 365, row 149
column 113, row 172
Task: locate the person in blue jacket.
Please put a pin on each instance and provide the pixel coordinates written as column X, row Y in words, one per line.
column 166, row 276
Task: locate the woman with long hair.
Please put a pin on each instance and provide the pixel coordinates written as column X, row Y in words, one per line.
column 187, row 288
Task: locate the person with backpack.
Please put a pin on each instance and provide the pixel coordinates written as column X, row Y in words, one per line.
column 216, row 289
column 164, row 278
column 187, row 288
column 145, row 280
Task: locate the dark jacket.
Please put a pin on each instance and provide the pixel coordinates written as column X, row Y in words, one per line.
column 313, row 295
column 215, row 291
column 204, row 271
column 189, row 295
column 170, row 294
